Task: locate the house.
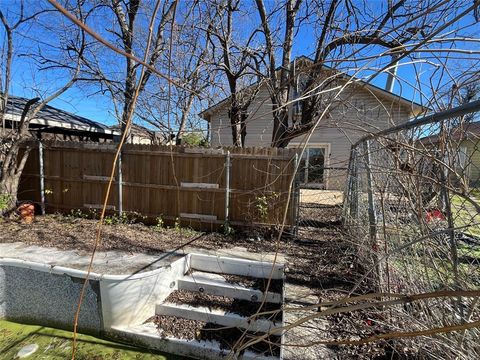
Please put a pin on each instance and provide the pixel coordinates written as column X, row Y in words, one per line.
column 361, row 108
column 56, row 124
column 53, row 123
column 462, row 152
column 141, row 135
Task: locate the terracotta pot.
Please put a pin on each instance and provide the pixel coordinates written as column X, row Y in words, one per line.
column 27, row 212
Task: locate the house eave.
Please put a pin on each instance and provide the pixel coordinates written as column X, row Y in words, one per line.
column 63, row 124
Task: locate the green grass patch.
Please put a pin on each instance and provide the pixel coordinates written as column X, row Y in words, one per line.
column 57, row 344
column 465, row 215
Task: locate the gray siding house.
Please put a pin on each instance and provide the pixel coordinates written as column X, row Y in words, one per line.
column 361, row 108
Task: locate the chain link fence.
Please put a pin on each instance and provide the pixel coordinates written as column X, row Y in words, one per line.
column 412, row 205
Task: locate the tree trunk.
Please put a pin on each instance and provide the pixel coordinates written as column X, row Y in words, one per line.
column 11, row 172
column 280, row 131
column 235, row 123
column 8, row 193
column 243, row 127
column 183, row 120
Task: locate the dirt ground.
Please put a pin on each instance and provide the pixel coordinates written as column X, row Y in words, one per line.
column 320, row 262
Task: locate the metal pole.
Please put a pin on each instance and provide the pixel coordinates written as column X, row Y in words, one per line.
column 392, row 73
column 295, row 196
column 120, row 187
column 42, row 177
column 354, row 214
column 372, row 218
column 347, row 194
column 371, row 201
column 227, row 185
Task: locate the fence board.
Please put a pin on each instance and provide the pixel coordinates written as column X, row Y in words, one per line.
column 76, row 175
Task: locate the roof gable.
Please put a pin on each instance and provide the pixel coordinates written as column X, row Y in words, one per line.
column 413, row 107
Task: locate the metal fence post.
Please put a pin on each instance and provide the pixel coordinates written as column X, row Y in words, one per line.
column 447, row 208
column 120, row 185
column 42, row 177
column 227, row 185
column 372, row 216
column 354, row 189
column 371, row 200
column 348, row 192
column 295, row 196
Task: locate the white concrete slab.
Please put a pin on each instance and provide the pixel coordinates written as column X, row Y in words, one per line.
column 216, row 316
column 215, row 284
column 227, row 265
column 111, row 262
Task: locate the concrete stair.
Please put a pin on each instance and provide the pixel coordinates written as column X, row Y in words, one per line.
column 203, row 274
column 214, row 284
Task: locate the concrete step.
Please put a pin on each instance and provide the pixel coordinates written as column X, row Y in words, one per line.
column 148, row 336
column 243, row 267
column 216, row 316
column 215, row 284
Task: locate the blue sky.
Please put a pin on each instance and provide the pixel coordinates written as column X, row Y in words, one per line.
column 98, row 107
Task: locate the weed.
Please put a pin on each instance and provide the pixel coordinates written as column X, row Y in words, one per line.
column 263, row 204
column 4, row 201
column 227, row 228
column 187, row 231
column 77, row 214
column 177, row 226
column 116, row 219
column 159, row 223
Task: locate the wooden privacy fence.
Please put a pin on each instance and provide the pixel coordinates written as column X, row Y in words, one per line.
column 197, row 186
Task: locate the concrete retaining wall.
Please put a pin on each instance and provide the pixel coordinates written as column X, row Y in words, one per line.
column 48, row 295
column 36, row 297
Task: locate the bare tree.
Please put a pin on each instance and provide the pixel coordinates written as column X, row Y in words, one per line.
column 126, row 24
column 346, row 31
column 239, row 61
column 14, row 140
column 171, row 108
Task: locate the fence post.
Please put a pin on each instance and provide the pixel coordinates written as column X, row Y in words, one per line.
column 372, row 217
column 354, row 214
column 42, row 177
column 227, row 185
column 120, row 186
column 348, row 192
column 447, row 208
column 295, row 196
column 371, row 200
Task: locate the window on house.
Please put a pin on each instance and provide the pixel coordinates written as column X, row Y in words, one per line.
column 297, row 105
column 312, row 166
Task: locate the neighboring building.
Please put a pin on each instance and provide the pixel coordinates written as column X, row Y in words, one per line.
column 56, row 124
column 463, row 151
column 141, row 135
column 360, row 109
column 53, row 123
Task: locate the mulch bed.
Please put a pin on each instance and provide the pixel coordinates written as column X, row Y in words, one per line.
column 172, row 326
column 240, row 307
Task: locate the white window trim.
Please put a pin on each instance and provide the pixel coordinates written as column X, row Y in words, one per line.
column 316, row 145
